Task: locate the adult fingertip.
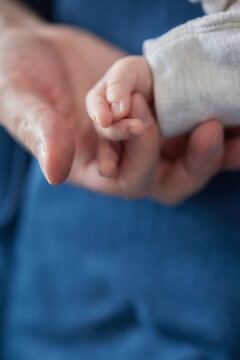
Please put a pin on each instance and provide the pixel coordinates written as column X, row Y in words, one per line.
column 56, row 156
column 107, row 169
column 136, row 127
column 103, row 120
column 141, row 110
column 59, row 164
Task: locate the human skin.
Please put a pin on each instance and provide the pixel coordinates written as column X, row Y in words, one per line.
column 45, row 75
column 109, row 101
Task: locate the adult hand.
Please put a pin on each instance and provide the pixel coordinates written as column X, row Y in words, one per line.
column 44, row 77
column 188, row 163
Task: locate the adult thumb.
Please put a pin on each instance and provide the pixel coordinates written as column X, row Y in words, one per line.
column 41, row 129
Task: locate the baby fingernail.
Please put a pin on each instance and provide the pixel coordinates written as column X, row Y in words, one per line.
column 147, row 121
column 116, row 108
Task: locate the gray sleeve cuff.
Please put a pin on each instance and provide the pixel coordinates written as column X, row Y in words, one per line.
column 196, row 72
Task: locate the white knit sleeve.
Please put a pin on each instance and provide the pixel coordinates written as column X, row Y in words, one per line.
column 215, row 6
column 196, row 72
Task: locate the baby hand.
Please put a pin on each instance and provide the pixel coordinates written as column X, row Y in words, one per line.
column 109, row 102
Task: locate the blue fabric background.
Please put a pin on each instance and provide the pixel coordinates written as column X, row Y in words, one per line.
column 92, row 277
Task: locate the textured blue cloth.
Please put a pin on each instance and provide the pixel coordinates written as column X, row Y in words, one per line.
column 136, row 281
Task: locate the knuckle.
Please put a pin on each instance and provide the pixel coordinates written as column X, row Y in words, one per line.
column 114, row 89
column 119, row 65
column 126, row 62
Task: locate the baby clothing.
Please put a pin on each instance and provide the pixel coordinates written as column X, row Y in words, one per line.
column 212, row 6
column 196, row 70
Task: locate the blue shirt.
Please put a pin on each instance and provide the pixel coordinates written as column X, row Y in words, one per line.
column 135, row 281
